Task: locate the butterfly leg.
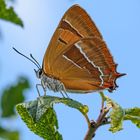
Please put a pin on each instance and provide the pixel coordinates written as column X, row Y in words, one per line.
column 60, row 89
column 62, row 94
column 63, row 90
column 37, row 88
column 37, row 85
column 44, row 87
column 44, row 91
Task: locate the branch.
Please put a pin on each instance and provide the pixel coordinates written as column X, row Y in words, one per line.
column 101, row 120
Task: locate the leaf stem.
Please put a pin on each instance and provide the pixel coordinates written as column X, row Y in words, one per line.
column 87, row 119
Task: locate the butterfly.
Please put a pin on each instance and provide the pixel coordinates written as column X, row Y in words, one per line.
column 77, row 58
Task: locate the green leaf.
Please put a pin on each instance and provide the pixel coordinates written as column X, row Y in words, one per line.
column 9, row 14
column 40, row 117
column 12, row 96
column 116, row 115
column 47, row 125
column 133, row 114
column 50, row 100
column 9, row 135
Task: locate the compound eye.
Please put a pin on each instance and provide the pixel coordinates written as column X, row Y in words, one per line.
column 40, row 72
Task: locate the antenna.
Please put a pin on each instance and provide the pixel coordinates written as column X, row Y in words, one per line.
column 35, row 62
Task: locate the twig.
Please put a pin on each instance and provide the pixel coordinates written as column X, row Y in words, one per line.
column 101, row 120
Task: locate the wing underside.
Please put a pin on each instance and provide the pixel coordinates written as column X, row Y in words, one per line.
column 78, row 56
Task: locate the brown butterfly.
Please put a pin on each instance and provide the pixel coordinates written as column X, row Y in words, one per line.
column 77, row 58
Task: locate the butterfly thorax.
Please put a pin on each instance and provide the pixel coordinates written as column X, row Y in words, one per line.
column 51, row 83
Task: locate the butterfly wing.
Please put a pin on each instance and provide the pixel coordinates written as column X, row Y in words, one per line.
column 92, row 56
column 78, row 56
column 74, row 25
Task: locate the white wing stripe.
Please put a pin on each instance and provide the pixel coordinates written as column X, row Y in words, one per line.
column 71, row 61
column 91, row 62
column 72, row 27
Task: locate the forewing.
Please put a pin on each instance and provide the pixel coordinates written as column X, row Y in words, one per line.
column 74, row 25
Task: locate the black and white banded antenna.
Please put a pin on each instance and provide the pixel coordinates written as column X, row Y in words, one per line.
column 32, row 59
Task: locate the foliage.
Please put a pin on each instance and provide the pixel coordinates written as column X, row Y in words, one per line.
column 36, row 114
column 46, row 126
column 133, row 114
column 40, row 116
column 9, row 135
column 15, row 94
column 118, row 115
column 9, row 14
column 10, row 97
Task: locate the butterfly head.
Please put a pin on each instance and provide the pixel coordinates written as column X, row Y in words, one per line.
column 38, row 73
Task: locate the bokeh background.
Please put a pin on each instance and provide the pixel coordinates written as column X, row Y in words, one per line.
column 119, row 23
